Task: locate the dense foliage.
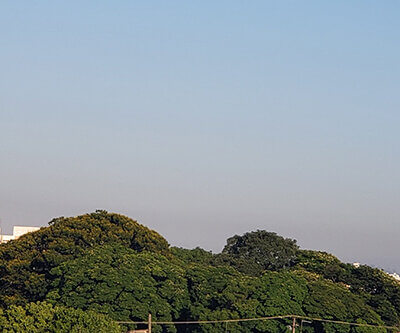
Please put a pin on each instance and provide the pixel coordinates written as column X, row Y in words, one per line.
column 100, row 268
column 257, row 251
column 122, row 283
column 377, row 288
column 25, row 263
column 43, row 317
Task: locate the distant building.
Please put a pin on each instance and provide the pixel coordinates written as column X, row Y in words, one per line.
column 395, row 276
column 356, row 264
column 18, row 231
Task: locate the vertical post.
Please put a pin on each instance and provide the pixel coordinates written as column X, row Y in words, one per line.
column 294, row 325
column 149, row 324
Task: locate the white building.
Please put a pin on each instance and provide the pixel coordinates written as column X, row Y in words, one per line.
column 395, row 276
column 18, row 231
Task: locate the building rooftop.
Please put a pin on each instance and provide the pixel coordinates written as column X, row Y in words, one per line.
column 18, row 231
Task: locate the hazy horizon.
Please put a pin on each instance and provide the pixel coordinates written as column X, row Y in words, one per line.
column 203, row 120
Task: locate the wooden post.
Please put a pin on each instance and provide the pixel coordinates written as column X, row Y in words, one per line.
column 149, row 324
column 294, row 325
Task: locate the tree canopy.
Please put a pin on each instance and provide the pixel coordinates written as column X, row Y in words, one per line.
column 260, row 250
column 43, row 317
column 25, row 263
column 122, row 283
column 99, row 268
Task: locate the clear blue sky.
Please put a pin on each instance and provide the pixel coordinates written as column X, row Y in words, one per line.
column 204, row 119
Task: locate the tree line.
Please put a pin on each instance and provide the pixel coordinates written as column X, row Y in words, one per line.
column 85, row 273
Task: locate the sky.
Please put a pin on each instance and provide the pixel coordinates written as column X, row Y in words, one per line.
column 206, row 119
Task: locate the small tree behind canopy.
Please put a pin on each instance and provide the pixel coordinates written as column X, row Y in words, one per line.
column 262, row 249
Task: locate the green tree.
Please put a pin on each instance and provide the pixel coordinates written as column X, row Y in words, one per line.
column 26, row 262
column 259, row 250
column 122, row 283
column 380, row 290
column 377, row 288
column 196, row 255
column 328, row 300
column 223, row 293
column 43, row 317
column 317, row 261
column 111, row 265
